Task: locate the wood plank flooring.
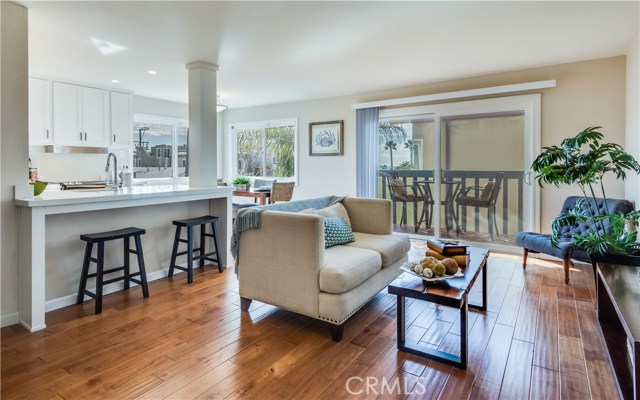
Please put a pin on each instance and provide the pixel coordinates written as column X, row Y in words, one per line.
column 539, row 339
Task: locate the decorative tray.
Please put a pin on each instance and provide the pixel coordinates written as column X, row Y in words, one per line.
column 407, row 267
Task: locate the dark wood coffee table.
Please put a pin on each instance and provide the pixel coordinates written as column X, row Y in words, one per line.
column 451, row 293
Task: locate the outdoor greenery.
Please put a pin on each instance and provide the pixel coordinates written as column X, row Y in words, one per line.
column 275, row 144
column 583, row 160
column 390, row 134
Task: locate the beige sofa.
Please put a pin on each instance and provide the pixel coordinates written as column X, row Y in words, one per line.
column 285, row 263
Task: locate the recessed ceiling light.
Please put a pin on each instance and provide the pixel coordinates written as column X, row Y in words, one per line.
column 115, row 81
column 151, row 72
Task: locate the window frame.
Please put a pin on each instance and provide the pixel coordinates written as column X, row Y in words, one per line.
column 175, row 123
column 233, row 162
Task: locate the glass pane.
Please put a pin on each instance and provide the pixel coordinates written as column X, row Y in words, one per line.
column 482, row 163
column 404, row 166
column 279, row 155
column 250, row 154
column 152, row 150
column 183, row 150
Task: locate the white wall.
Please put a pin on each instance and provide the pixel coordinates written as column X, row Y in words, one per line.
column 632, row 187
column 13, row 143
column 165, row 108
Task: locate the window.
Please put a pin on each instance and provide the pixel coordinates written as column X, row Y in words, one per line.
column 265, row 149
column 159, row 147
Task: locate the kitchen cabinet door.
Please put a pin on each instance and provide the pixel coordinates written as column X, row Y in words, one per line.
column 67, row 114
column 121, row 119
column 39, row 112
column 94, row 116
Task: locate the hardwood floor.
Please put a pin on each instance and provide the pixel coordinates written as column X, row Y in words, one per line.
column 539, row 339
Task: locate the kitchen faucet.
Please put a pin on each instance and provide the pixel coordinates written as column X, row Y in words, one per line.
column 115, row 170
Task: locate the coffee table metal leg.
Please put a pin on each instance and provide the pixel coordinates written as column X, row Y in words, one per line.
column 400, row 319
column 464, row 333
column 483, row 306
column 484, row 287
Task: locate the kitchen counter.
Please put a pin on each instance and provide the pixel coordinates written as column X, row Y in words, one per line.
column 50, row 224
column 85, row 196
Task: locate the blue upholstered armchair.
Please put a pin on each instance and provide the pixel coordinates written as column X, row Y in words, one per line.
column 541, row 243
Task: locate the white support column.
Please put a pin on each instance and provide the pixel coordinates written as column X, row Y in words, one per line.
column 203, row 149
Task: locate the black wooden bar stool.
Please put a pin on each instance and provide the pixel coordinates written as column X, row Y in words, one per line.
column 100, row 239
column 189, row 224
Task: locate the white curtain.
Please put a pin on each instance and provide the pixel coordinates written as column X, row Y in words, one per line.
column 366, row 151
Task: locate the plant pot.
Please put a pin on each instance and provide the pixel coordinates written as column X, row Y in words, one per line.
column 242, row 186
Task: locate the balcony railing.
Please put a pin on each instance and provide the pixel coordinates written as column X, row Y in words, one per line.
column 509, row 208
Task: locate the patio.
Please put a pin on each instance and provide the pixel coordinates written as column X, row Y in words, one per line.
column 472, row 220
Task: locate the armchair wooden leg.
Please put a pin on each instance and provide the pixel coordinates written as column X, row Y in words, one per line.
column 566, row 263
column 524, row 258
column 336, row 332
column 245, row 303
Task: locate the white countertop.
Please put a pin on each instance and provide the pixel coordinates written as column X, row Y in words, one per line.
column 85, row 196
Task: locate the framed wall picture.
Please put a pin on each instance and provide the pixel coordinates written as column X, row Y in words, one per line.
column 325, row 138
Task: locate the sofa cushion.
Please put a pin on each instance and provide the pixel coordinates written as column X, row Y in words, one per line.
column 336, row 210
column 390, row 247
column 347, row 267
column 336, row 231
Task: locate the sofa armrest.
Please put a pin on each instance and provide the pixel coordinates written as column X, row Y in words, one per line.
column 280, row 262
column 369, row 215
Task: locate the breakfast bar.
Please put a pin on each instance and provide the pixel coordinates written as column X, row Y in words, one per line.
column 50, row 224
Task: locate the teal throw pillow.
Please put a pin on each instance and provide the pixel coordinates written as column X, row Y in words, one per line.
column 337, row 231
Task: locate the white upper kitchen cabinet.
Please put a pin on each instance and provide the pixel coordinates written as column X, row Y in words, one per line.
column 95, row 111
column 79, row 115
column 121, row 119
column 40, row 111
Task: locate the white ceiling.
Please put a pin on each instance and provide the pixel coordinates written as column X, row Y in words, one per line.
column 274, row 52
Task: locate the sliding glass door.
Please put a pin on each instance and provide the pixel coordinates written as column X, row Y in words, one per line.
column 459, row 170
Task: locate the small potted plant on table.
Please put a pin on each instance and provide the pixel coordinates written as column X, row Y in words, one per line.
column 241, row 183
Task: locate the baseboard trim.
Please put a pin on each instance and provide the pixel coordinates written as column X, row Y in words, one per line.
column 9, row 319
column 54, row 304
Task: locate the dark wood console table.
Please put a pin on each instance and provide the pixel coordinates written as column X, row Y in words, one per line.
column 619, row 316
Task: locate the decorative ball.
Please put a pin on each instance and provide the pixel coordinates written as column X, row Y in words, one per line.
column 428, row 262
column 419, row 269
column 427, row 273
column 450, row 265
column 439, row 269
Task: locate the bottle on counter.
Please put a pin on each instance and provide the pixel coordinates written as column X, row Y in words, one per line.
column 34, row 172
column 127, row 177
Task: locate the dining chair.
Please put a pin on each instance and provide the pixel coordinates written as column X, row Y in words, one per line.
column 415, row 193
column 281, row 191
column 482, row 197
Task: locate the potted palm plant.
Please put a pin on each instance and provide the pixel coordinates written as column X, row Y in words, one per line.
column 584, row 160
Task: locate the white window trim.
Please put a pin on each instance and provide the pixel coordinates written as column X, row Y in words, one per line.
column 233, row 148
column 158, row 119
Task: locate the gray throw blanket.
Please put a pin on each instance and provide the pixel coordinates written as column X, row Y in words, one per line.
column 249, row 218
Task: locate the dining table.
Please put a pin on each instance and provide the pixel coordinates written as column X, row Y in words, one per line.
column 259, row 194
column 451, row 189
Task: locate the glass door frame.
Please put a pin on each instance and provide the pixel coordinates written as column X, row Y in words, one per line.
column 530, row 104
